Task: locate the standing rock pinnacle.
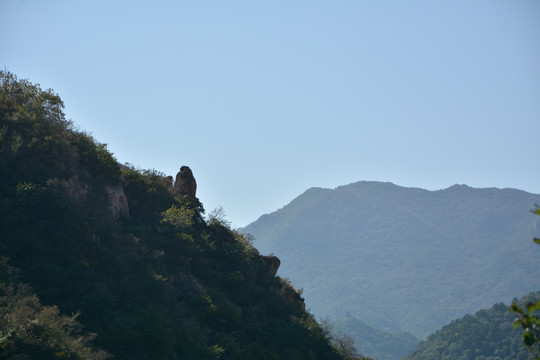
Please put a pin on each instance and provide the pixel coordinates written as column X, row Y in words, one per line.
column 185, row 184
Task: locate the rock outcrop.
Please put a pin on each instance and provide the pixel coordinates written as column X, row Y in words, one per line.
column 295, row 299
column 78, row 190
column 185, row 184
column 74, row 188
column 118, row 200
column 272, row 264
column 168, row 180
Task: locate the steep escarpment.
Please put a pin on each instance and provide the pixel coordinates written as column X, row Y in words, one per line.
column 132, row 253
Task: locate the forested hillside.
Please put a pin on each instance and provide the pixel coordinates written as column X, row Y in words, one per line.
column 404, row 259
column 486, row 334
column 104, row 260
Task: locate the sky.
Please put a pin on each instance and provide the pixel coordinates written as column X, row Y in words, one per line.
column 266, row 99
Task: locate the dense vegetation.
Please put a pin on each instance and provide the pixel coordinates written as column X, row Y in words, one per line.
column 528, row 316
column 157, row 282
column 488, row 334
column 381, row 345
column 404, row 259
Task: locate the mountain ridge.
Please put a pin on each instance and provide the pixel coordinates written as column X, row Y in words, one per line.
column 140, row 268
column 481, row 230
column 322, row 190
column 486, row 334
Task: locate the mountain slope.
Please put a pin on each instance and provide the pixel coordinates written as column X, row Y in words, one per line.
column 29, row 330
column 486, row 334
column 404, row 259
column 135, row 257
column 379, row 344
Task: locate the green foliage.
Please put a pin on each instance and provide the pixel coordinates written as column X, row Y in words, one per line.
column 530, row 323
column 218, row 217
column 148, row 194
column 178, row 218
column 96, row 158
column 30, row 330
column 34, row 136
column 487, row 334
column 159, row 284
column 528, row 317
column 216, row 351
column 32, row 130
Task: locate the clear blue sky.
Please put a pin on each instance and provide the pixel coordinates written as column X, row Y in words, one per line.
column 265, row 99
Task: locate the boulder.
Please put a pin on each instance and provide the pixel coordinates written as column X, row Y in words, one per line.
column 185, row 184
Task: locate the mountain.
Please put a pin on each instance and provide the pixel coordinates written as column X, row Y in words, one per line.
column 100, row 260
column 404, row 259
column 486, row 334
column 381, row 345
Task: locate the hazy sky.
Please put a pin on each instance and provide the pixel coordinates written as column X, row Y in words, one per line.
column 265, row 99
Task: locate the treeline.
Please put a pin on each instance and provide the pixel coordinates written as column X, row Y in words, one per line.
column 488, row 334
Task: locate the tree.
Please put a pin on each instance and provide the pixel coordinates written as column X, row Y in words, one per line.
column 528, row 318
column 218, row 216
column 30, row 330
column 346, row 348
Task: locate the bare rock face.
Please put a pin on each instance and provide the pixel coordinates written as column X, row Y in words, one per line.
column 119, row 203
column 272, row 263
column 185, row 184
column 74, row 188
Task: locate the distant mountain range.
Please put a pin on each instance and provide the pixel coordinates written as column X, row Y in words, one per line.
column 380, row 345
column 404, row 259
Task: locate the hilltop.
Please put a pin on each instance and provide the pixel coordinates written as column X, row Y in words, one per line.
column 404, row 259
column 486, row 334
column 102, row 259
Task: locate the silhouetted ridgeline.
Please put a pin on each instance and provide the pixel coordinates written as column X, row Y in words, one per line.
column 133, row 256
